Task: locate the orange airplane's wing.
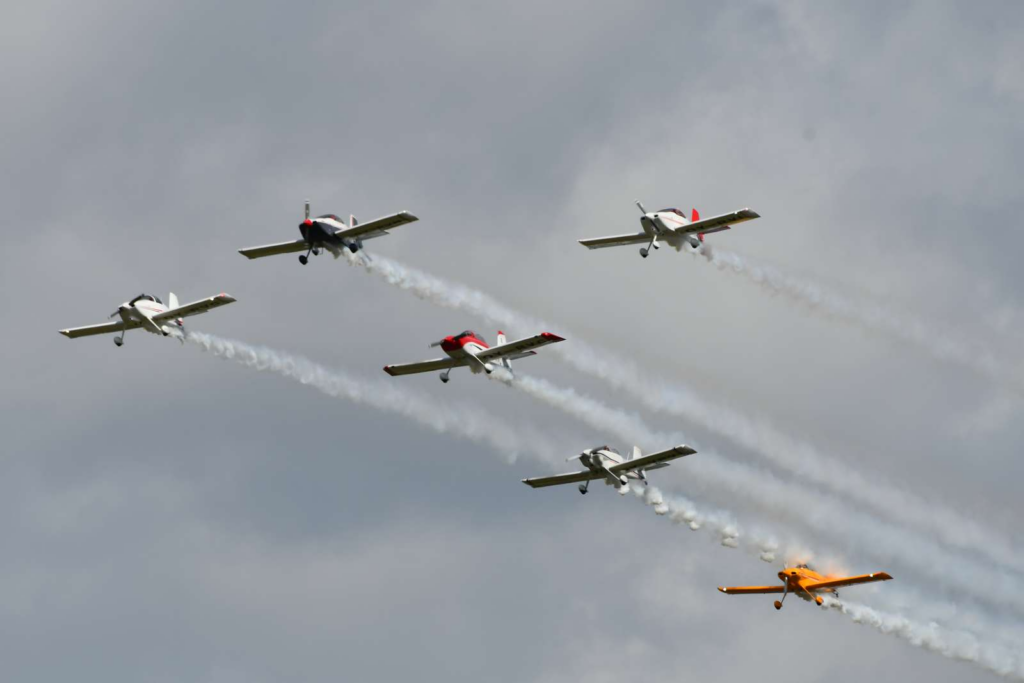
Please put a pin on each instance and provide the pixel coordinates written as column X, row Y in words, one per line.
column 740, row 590
column 848, row 581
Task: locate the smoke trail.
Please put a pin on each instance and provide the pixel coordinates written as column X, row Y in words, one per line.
column 464, row 420
column 952, row 644
column 801, row 458
column 820, row 513
column 863, row 314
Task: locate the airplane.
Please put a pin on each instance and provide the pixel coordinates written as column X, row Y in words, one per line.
column 807, row 583
column 608, row 464
column 468, row 349
column 671, row 226
column 151, row 314
column 328, row 232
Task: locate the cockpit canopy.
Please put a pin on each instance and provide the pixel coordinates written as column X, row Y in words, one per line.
column 331, row 216
column 605, row 448
column 145, row 297
column 468, row 333
column 675, row 211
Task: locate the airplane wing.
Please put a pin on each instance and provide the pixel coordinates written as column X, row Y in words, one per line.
column 615, row 240
column 194, row 308
column 848, row 581
column 743, row 590
column 519, row 346
column 377, row 225
column 272, row 249
column 103, row 328
column 424, row 366
column 653, row 459
column 567, row 478
column 718, row 223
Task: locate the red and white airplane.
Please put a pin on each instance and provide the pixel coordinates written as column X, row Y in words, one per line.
column 468, row 349
column 671, row 226
column 151, row 314
column 330, row 233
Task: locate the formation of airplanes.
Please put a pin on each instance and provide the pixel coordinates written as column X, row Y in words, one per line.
column 468, row 349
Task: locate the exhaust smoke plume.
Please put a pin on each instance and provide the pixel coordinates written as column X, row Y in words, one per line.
column 950, row 526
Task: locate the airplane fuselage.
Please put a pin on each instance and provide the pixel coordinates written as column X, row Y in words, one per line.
column 792, row 576
column 599, row 460
column 142, row 310
column 322, row 232
column 663, row 224
column 464, row 345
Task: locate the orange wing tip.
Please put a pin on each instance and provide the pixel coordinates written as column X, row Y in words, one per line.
column 882, row 576
column 552, row 337
column 724, row 590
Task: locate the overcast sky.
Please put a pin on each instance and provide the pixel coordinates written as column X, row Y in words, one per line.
column 168, row 515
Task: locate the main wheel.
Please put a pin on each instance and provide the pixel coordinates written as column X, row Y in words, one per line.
column 583, row 489
column 643, row 252
column 353, row 248
column 303, row 259
column 118, row 341
column 444, row 379
column 778, row 605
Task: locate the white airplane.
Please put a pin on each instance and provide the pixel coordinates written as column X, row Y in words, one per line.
column 330, row 232
column 671, row 226
column 608, row 464
column 468, row 349
column 151, row 314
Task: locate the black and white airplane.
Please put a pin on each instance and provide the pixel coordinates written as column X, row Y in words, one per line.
column 330, row 233
column 608, row 464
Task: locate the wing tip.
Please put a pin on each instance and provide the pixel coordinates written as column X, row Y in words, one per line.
column 226, row 298
column 883, row 576
column 389, row 369
column 683, row 449
column 552, row 337
column 66, row 333
column 724, row 590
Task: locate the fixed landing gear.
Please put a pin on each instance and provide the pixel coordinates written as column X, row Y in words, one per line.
column 304, row 259
column 644, row 252
column 119, row 341
column 584, row 487
column 444, row 376
column 785, row 592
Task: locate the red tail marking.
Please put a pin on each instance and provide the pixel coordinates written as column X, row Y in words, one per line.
column 696, row 216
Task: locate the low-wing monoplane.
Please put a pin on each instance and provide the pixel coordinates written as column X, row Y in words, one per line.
column 807, row 583
column 468, row 349
column 608, row 464
column 671, row 226
column 151, row 314
column 328, row 232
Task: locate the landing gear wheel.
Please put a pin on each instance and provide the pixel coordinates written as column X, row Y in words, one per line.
column 444, row 380
column 118, row 341
column 316, row 251
column 778, row 604
column 644, row 252
column 583, row 489
column 303, row 259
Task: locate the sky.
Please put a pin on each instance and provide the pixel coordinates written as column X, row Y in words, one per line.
column 170, row 514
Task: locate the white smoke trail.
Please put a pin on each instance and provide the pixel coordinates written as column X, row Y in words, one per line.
column 801, row 458
column 866, row 315
column 958, row 645
column 822, row 514
column 464, row 420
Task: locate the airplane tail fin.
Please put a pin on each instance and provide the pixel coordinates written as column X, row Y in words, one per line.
column 637, row 454
column 172, row 300
column 352, row 222
column 694, row 217
column 505, row 362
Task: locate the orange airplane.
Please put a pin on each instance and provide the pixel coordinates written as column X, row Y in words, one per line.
column 807, row 583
